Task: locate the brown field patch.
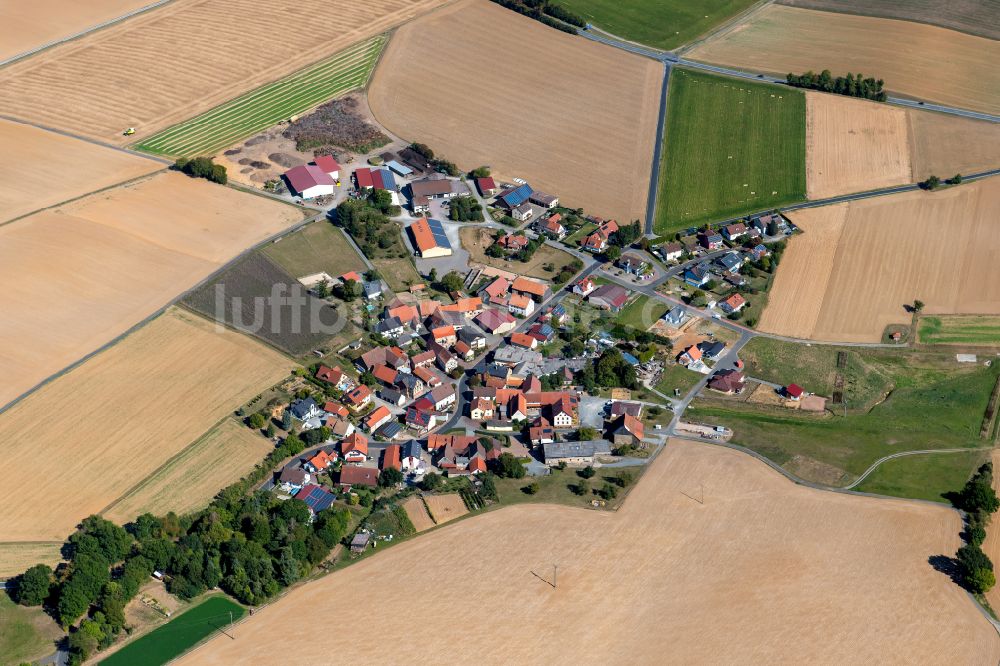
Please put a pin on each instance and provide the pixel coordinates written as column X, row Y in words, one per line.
column 945, row 145
column 120, row 416
column 476, row 240
column 991, row 546
column 445, row 507
column 853, row 145
column 856, row 266
column 914, row 59
column 28, row 25
column 50, row 168
column 16, row 557
column 740, row 578
column 580, row 123
column 103, row 263
column 224, row 455
column 417, row 513
column 124, row 76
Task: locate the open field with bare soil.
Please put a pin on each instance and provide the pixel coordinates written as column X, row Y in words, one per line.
column 740, row 576
column 945, row 145
column 15, row 558
column 186, row 483
column 856, row 266
column 976, row 17
column 914, row 59
column 588, row 137
column 50, row 168
column 854, row 145
column 417, row 513
column 476, row 240
column 445, row 507
column 29, row 25
column 134, row 407
column 120, row 77
column 103, row 263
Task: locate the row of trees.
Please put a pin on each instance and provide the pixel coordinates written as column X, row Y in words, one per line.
column 979, row 502
column 933, row 182
column 851, row 85
column 543, row 11
column 202, row 167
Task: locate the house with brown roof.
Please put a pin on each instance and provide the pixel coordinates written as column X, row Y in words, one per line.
column 523, row 340
column 727, row 381
column 733, row 231
column 481, row 409
column 551, row 227
column 423, row 359
column 358, row 398
column 351, row 476
column 428, row 376
column 513, row 242
column 391, row 457
column 542, row 199
column 496, row 292
column 538, row 291
column 732, row 303
column 379, row 417
column 354, row 447
column 689, row 355
column 497, row 322
column 444, row 335
column 443, row 397
column 521, row 304
column 628, row 432
column 334, row 376
column 464, row 351
column 541, row 433
column 598, row 239
column 487, row 186
column 385, row 374
column 608, row 297
column 394, row 357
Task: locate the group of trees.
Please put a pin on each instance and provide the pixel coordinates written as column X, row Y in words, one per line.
column 626, row 234
column 465, row 209
column 202, row 167
column 933, row 182
column 544, row 11
column 979, row 502
column 437, row 163
column 851, row 85
column 567, row 272
column 507, row 466
column 370, row 227
column 611, row 369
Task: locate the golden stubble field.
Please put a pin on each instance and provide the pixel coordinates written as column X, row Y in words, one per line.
column 179, row 60
column 856, row 265
column 763, row 571
column 481, row 84
column 854, row 145
column 91, row 435
column 914, row 59
column 50, row 168
column 28, row 25
column 77, row 276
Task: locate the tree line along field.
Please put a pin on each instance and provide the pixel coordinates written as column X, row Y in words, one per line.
column 109, row 260
column 755, row 546
column 269, row 104
column 731, row 147
column 140, row 73
column 975, row 17
column 838, row 282
column 663, row 24
column 181, row 633
column 888, row 394
column 135, row 405
column 914, row 59
column 589, row 136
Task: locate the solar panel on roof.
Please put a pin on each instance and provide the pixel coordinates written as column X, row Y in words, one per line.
column 387, row 181
column 518, row 195
column 438, row 232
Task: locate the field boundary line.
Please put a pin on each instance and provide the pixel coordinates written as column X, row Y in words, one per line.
column 100, row 26
column 724, row 28
column 91, row 140
column 173, row 302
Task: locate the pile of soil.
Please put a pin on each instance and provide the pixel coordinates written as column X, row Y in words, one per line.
column 284, row 160
column 337, row 123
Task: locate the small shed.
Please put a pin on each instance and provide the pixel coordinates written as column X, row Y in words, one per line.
column 360, row 542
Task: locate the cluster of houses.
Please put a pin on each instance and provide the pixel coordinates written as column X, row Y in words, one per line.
column 696, row 357
column 519, row 201
column 611, row 297
column 519, row 297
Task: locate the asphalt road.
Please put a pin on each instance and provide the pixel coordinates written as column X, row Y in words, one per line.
column 654, row 176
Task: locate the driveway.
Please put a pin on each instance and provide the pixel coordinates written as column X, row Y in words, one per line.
column 592, row 411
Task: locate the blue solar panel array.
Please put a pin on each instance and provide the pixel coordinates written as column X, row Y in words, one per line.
column 517, row 196
column 388, row 180
column 318, row 499
column 438, row 231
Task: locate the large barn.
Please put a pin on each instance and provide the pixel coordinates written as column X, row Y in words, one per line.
column 429, row 239
column 310, row 181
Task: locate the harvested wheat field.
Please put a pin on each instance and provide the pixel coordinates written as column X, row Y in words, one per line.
column 853, row 145
column 29, row 25
column 857, row 265
column 50, row 168
column 580, row 123
column 103, row 263
column 120, row 416
column 417, row 513
column 914, row 59
column 190, row 479
column 16, row 557
column 946, row 145
column 763, row 572
column 445, row 507
column 122, row 76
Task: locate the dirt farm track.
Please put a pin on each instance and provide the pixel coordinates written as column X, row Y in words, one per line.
column 119, row 77
column 763, row 572
column 580, row 123
column 855, row 266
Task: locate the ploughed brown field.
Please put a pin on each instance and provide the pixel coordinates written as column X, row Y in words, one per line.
column 856, row 265
column 179, row 60
column 754, row 569
column 27, row 25
column 77, row 276
column 102, row 428
column 913, row 59
column 481, row 84
column 854, row 145
column 50, row 168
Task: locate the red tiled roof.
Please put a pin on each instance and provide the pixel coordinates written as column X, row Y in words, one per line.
column 305, row 176
column 364, row 177
column 358, row 395
column 385, row 374
column 327, row 163
column 358, row 476
column 529, row 286
column 523, row 340
column 794, row 390
column 390, row 457
column 354, row 442
column 486, row 184
column 379, row 414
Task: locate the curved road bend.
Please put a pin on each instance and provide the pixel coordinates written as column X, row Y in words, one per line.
column 902, row 454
